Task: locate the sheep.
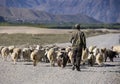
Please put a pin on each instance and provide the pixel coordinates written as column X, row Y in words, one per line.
column 91, row 48
column 59, row 59
column 62, row 58
column 51, row 55
column 45, row 58
column 70, row 55
column 1, row 47
column 42, row 53
column 11, row 49
column 116, row 49
column 5, row 53
column 35, row 57
column 14, row 57
column 101, row 56
column 38, row 47
column 26, row 54
column 111, row 54
column 99, row 59
column 67, row 49
column 91, row 59
column 84, row 56
column 95, row 51
column 18, row 51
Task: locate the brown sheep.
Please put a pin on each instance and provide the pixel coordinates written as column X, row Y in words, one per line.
column 26, row 54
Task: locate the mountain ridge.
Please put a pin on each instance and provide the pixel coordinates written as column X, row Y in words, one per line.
column 107, row 11
column 36, row 16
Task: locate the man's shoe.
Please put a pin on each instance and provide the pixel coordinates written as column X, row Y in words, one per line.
column 73, row 67
column 78, row 68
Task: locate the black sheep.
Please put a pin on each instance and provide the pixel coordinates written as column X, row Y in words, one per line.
column 111, row 54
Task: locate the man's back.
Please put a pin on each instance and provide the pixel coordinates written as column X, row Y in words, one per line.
column 78, row 39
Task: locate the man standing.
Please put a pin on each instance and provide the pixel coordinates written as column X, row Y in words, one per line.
column 78, row 41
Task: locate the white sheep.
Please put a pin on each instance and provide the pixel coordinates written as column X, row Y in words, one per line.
column 51, row 55
column 14, row 57
column 11, row 49
column 99, row 55
column 19, row 51
column 1, row 47
column 5, row 53
column 95, row 51
column 91, row 48
column 116, row 49
column 35, row 57
column 70, row 55
column 84, row 57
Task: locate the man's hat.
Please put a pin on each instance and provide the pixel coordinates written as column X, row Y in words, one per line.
column 77, row 26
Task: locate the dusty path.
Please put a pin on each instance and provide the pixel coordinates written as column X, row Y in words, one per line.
column 25, row 73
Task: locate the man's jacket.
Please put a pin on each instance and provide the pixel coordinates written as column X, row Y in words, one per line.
column 78, row 39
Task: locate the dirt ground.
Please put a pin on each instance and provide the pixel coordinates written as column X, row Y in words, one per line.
column 25, row 73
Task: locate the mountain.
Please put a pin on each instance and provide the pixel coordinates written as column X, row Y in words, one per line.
column 35, row 16
column 107, row 11
column 2, row 19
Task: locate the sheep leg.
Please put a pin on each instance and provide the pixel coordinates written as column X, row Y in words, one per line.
column 111, row 59
column 105, row 58
column 14, row 61
column 5, row 58
column 34, row 63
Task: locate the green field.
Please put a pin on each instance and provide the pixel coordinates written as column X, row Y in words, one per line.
column 41, row 39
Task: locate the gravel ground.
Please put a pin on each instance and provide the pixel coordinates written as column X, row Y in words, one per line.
column 25, row 73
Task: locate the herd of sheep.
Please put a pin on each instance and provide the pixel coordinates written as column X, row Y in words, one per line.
column 57, row 55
